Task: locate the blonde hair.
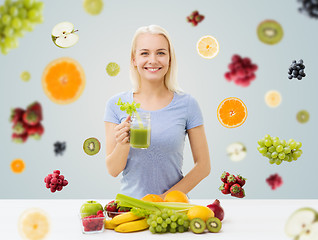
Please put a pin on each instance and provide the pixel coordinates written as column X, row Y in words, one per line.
column 171, row 76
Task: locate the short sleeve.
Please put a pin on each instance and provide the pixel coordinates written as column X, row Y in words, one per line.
column 110, row 112
column 194, row 114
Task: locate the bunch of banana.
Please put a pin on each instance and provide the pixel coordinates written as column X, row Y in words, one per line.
column 127, row 222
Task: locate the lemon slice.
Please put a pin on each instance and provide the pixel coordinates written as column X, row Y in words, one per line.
column 208, row 47
column 273, row 98
column 112, row 69
column 34, row 224
column 25, row 76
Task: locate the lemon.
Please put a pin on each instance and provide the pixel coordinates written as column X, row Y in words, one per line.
column 200, row 212
column 34, row 224
column 208, row 47
column 112, row 69
column 273, row 98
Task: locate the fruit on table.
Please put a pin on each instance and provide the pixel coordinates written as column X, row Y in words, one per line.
column 90, row 208
column 132, row 226
column 152, row 198
column 213, row 224
column 217, row 209
column 208, row 47
column 63, row 35
column 124, row 217
column 303, row 224
column 94, row 222
column 34, row 224
column 55, row 181
column 111, row 209
column 91, row 146
column 232, row 112
column 202, row 212
column 109, row 225
column 277, row 150
column 197, row 225
column 236, row 151
column 176, row 196
column 270, row 32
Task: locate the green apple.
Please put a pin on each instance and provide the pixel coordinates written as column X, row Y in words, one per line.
column 64, row 35
column 302, row 224
column 90, row 208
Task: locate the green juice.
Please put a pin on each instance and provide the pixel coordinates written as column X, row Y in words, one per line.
column 140, row 138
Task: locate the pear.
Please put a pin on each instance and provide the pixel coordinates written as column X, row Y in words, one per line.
column 302, row 224
column 236, row 151
column 63, row 35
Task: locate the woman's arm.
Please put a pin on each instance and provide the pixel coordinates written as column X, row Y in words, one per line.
column 117, row 146
column 201, row 158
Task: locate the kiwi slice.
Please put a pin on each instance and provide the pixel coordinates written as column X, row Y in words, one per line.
column 213, row 224
column 270, row 32
column 91, row 146
column 197, row 225
column 302, row 116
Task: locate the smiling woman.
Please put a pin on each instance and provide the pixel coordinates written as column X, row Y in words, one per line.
column 174, row 114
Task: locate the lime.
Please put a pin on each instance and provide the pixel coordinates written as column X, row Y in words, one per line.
column 112, row 69
column 93, row 7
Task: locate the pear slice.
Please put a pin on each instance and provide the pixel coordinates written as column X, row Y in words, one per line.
column 236, row 151
column 63, row 35
column 300, row 221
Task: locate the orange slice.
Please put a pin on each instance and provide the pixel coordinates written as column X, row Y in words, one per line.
column 208, row 47
column 232, row 112
column 17, row 165
column 63, row 80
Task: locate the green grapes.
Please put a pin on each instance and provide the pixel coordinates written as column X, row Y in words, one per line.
column 17, row 17
column 278, row 151
column 168, row 221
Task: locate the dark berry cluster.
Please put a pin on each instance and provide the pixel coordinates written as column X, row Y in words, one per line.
column 94, row 222
column 296, row 70
column 242, row 71
column 59, row 148
column 195, row 18
column 55, row 181
column 274, row 181
column 309, row 7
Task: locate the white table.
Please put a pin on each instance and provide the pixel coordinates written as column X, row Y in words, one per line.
column 244, row 219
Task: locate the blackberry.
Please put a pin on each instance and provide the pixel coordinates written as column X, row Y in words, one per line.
column 59, row 148
column 296, row 70
column 309, row 8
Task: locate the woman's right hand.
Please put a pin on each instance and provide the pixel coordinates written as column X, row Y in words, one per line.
column 122, row 131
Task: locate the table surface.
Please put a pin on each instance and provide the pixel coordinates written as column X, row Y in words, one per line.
column 244, row 219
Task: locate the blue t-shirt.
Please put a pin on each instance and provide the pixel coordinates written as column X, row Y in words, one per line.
column 156, row 169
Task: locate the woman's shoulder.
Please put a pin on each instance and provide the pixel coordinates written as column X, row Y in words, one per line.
column 184, row 97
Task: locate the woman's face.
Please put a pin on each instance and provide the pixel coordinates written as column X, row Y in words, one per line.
column 152, row 56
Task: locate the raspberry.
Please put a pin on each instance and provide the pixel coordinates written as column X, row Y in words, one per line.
column 54, row 180
column 55, row 175
column 65, row 182
column 61, row 177
column 59, row 181
column 59, row 188
column 57, row 171
column 274, row 181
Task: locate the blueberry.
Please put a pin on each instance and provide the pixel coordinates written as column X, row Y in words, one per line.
column 301, row 71
column 294, row 61
column 299, row 77
column 290, row 76
column 295, row 73
column 301, row 61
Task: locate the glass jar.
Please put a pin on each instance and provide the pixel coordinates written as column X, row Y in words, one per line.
column 140, row 130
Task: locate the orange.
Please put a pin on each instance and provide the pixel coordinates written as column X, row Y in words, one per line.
column 208, row 47
column 17, row 165
column 200, row 212
column 232, row 112
column 63, row 80
column 152, row 198
column 176, row 196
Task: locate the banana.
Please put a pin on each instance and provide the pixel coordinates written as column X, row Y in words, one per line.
column 124, row 217
column 133, row 226
column 109, row 225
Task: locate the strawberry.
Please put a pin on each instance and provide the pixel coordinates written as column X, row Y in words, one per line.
column 123, row 209
column 16, row 115
column 36, row 107
column 198, row 18
column 195, row 13
column 36, row 131
column 19, row 127
column 224, row 176
column 19, row 138
column 111, row 208
column 31, row 118
column 235, row 188
column 240, row 194
column 225, row 188
column 231, row 179
column 240, row 180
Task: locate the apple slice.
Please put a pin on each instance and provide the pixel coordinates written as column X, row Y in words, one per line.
column 63, row 35
column 311, row 233
column 236, row 151
column 300, row 222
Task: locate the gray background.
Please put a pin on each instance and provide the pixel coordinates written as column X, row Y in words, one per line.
column 107, row 37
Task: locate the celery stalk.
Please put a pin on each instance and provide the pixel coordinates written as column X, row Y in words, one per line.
column 126, row 201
